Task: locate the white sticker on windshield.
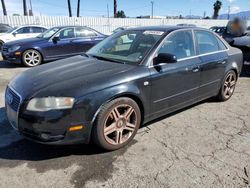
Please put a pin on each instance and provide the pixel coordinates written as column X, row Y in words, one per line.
column 153, row 32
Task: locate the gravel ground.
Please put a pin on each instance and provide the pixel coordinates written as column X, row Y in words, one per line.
column 206, row 145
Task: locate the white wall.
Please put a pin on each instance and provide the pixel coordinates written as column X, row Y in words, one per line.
column 103, row 25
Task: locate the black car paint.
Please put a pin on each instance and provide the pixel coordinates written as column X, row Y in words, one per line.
column 93, row 83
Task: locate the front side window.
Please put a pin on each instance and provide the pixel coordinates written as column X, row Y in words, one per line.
column 207, row 42
column 127, row 46
column 179, row 44
column 23, row 30
column 84, row 32
column 67, row 33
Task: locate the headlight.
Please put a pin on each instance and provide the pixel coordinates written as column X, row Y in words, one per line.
column 50, row 103
column 13, row 48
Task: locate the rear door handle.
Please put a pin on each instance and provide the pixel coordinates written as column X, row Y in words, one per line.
column 223, row 61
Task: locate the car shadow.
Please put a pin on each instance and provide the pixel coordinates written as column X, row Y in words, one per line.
column 5, row 64
column 92, row 162
column 15, row 147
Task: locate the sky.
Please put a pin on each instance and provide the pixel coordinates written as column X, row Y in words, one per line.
column 132, row 8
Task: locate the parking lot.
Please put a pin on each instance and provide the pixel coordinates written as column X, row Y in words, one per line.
column 206, row 145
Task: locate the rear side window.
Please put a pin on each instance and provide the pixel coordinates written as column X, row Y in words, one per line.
column 84, row 32
column 222, row 46
column 208, row 42
column 37, row 30
column 24, row 30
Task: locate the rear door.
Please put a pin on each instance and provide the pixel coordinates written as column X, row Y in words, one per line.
column 176, row 84
column 213, row 55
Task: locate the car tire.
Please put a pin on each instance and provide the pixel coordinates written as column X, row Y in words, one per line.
column 31, row 58
column 116, row 123
column 228, row 86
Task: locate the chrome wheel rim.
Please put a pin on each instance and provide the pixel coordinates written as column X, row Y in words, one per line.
column 229, row 85
column 32, row 58
column 120, row 124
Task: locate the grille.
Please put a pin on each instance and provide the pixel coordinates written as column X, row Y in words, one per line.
column 13, row 99
column 5, row 49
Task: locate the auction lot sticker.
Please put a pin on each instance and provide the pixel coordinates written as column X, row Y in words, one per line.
column 153, row 32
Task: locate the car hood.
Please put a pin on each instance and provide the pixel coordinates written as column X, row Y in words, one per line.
column 23, row 42
column 75, row 76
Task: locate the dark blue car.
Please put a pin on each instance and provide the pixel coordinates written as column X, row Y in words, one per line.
column 55, row 43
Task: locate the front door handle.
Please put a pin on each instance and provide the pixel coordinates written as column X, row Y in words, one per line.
column 196, row 69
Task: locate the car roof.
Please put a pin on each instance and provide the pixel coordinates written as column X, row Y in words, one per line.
column 66, row 26
column 165, row 28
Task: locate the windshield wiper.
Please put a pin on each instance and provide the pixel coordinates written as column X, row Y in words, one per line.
column 107, row 59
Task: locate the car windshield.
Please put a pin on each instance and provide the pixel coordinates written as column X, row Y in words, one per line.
column 129, row 46
column 47, row 34
column 11, row 29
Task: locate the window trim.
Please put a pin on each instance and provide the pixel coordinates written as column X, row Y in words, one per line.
column 149, row 62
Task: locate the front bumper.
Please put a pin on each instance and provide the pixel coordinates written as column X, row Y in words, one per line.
column 50, row 127
column 11, row 57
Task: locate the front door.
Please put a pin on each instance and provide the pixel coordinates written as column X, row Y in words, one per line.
column 175, row 85
column 63, row 47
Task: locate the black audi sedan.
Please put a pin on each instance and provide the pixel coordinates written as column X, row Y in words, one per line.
column 130, row 78
column 55, row 43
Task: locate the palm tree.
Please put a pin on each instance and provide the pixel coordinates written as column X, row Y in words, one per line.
column 115, row 9
column 25, row 13
column 69, row 7
column 4, row 8
column 217, row 7
column 78, row 8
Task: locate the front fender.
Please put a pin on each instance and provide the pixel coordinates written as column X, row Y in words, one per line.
column 91, row 104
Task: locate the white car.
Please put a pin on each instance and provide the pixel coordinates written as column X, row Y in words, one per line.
column 21, row 32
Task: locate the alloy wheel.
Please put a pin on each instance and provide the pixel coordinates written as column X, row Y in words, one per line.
column 120, row 124
column 229, row 85
column 32, row 58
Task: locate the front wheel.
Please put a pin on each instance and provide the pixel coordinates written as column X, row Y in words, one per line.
column 228, row 86
column 31, row 58
column 117, row 123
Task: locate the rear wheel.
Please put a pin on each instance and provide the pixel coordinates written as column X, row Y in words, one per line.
column 117, row 123
column 31, row 58
column 228, row 86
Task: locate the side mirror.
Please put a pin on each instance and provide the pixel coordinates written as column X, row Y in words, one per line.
column 55, row 39
column 14, row 34
column 164, row 58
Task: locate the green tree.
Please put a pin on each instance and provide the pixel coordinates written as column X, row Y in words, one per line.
column 121, row 14
column 217, row 7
